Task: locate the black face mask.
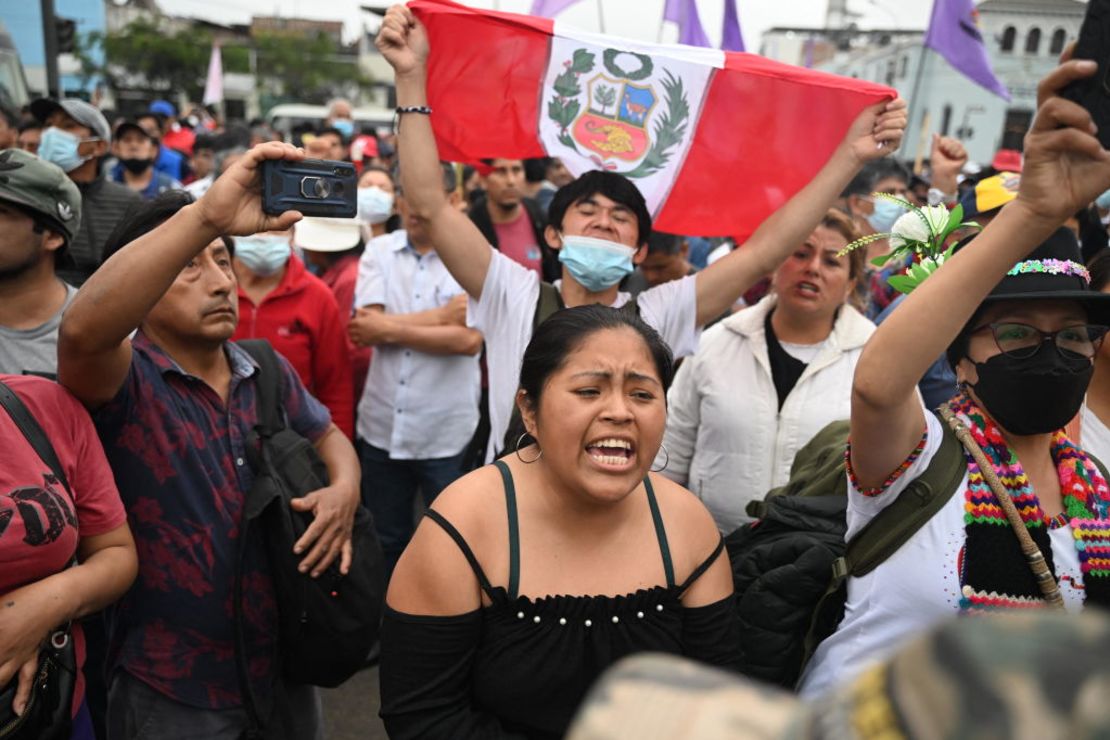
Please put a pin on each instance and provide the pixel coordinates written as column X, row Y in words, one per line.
column 1035, row 395
column 135, row 166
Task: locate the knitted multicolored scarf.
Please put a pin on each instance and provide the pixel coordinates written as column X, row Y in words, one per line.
column 994, row 574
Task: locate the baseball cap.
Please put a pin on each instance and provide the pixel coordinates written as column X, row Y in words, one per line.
column 163, row 108
column 84, row 113
column 130, row 125
column 327, row 234
column 41, row 188
column 1008, row 160
column 990, row 194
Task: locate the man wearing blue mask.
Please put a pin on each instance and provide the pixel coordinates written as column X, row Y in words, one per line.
column 340, row 117
column 873, row 215
column 76, row 137
column 600, row 225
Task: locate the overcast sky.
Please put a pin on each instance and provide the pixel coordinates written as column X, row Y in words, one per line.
column 639, row 19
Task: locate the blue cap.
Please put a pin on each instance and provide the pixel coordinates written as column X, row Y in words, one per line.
column 163, row 108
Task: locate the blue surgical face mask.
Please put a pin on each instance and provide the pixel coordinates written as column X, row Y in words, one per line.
column 375, row 206
column 1103, row 201
column 263, row 254
column 60, row 147
column 885, row 214
column 596, row 264
column 344, row 126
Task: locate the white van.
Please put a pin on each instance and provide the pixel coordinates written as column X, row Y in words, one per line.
column 286, row 117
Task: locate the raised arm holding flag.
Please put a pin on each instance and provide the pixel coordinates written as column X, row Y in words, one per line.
column 604, row 207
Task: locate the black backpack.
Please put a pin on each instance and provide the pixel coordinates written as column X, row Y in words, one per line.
column 327, row 624
column 791, row 565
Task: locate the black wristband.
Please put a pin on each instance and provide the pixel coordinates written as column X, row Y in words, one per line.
column 421, row 109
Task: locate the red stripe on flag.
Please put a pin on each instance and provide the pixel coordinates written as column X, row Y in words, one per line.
column 765, row 130
column 485, row 73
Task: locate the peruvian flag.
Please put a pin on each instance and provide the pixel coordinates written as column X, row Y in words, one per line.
column 715, row 140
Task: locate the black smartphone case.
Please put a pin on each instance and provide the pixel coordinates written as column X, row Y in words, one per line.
column 284, row 187
column 1093, row 93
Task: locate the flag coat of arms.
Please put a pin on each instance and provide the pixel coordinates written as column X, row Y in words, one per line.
column 715, row 140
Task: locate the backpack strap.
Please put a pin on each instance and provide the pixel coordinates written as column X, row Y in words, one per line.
column 34, row 433
column 922, row 499
column 549, row 301
column 270, row 419
column 888, row 531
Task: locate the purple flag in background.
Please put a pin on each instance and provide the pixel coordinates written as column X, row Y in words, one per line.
column 685, row 14
column 731, row 38
column 550, row 8
column 954, row 34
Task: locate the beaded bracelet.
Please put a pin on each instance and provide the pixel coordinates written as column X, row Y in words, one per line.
column 402, row 109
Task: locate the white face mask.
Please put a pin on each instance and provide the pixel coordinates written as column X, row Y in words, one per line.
column 596, row 264
column 375, row 205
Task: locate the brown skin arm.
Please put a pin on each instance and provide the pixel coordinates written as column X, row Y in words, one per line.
column 372, row 326
column 1065, row 169
column 458, row 242
column 94, row 352
column 875, row 132
column 333, row 508
column 107, row 567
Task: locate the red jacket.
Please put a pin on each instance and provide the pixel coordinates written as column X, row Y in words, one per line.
column 301, row 319
column 341, row 278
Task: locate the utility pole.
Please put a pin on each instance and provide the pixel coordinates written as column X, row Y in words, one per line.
column 50, row 45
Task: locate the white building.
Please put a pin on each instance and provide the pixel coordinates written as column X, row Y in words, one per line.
column 1024, row 39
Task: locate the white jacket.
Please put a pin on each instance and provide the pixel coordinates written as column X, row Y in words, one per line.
column 726, row 438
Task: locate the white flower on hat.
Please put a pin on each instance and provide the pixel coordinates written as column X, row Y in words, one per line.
column 916, row 241
column 919, row 225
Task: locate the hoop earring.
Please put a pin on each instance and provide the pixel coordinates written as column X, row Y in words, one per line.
column 666, row 461
column 519, row 442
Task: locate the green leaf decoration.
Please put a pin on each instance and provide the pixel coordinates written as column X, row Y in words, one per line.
column 902, row 283
column 954, row 219
column 895, row 199
column 862, row 241
column 582, row 62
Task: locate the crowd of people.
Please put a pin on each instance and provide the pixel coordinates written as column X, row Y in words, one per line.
column 555, row 414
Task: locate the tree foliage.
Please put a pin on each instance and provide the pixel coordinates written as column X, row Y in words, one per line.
column 301, row 67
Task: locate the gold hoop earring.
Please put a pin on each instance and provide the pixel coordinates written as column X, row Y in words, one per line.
column 519, row 442
column 666, row 461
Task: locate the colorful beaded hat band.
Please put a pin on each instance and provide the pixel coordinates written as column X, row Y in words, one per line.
column 1051, row 267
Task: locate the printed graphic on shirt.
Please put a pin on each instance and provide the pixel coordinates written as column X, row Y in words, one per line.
column 44, row 512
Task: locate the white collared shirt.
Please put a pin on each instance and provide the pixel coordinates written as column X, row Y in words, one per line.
column 415, row 405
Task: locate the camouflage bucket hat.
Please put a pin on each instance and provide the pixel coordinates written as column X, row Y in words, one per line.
column 1029, row 676
column 41, row 189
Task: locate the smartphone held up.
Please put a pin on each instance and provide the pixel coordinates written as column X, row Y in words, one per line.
column 315, row 187
column 1093, row 93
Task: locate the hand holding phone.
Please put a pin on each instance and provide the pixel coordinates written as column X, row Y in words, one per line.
column 315, row 187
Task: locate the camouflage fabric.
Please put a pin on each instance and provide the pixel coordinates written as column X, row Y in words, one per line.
column 1033, row 676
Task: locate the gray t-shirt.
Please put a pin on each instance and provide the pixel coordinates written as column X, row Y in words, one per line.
column 33, row 351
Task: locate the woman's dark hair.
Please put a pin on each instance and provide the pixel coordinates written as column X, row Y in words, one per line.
column 559, row 336
column 145, row 216
column 616, row 188
column 1099, row 267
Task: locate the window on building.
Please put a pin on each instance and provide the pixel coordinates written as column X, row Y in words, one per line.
column 1059, row 38
column 905, row 66
column 1014, row 128
column 1008, row 37
column 890, row 67
column 946, row 120
column 1033, row 41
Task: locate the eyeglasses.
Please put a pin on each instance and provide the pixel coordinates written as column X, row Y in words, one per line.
column 1022, row 341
